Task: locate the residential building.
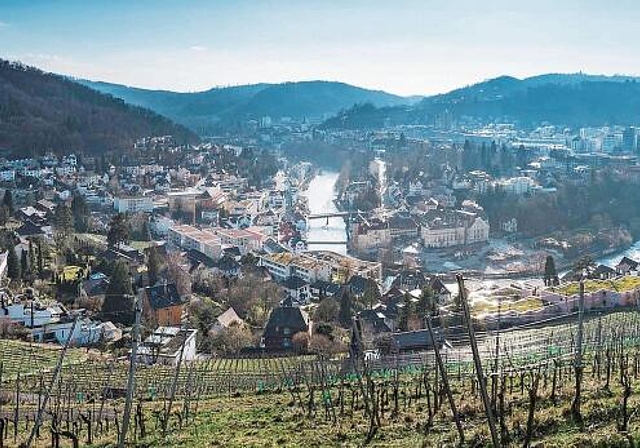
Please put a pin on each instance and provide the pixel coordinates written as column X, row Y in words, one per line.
column 137, row 204
column 284, row 322
column 168, row 345
column 162, row 304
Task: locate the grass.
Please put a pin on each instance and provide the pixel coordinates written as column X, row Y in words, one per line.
column 70, row 273
column 626, row 283
column 24, row 358
column 273, row 420
column 522, row 305
column 101, row 240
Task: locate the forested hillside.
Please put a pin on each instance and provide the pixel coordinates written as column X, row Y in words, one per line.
column 42, row 112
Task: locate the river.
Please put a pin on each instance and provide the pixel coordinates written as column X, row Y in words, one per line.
column 321, row 194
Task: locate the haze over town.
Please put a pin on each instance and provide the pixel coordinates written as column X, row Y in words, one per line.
column 407, row 47
column 321, row 223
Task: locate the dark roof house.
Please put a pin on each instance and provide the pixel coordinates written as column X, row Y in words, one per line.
column 284, row 322
column 163, row 296
column 418, row 340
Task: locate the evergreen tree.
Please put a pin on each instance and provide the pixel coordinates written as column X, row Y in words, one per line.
column 371, row 294
column 427, row 302
column 550, row 273
column 153, row 265
column 80, row 212
column 146, row 231
column 24, row 263
column 13, row 265
column 63, row 222
column 40, row 258
column 7, row 201
column 118, row 301
column 32, row 257
column 405, row 313
column 118, row 230
column 345, row 314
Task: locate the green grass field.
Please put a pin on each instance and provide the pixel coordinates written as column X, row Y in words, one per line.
column 25, row 358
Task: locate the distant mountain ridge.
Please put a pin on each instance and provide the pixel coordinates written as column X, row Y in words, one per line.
column 227, row 106
column 46, row 112
column 570, row 99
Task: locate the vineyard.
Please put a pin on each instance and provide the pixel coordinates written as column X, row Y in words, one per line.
column 532, row 373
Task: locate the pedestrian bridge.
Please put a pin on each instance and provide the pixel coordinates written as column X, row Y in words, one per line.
column 328, row 215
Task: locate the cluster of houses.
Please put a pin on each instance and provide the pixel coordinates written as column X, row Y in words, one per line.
column 430, row 226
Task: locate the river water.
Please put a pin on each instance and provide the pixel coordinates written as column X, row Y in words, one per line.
column 321, row 194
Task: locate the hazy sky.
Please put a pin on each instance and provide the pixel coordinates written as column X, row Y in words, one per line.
column 405, row 47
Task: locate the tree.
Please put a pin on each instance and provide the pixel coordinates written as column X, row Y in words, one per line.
column 300, row 342
column 327, row 310
column 146, row 231
column 4, row 215
column 118, row 301
column 24, row 262
column 345, row 313
column 325, row 329
column 63, row 222
column 32, row 257
column 427, row 303
column 80, row 212
column 322, row 345
column 118, row 230
column 13, row 265
column 550, row 273
column 40, row 257
column 232, row 339
column 584, row 263
column 371, row 294
column 7, row 201
column 407, row 313
column 153, row 265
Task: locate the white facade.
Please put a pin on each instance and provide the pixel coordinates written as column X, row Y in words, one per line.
column 141, row 204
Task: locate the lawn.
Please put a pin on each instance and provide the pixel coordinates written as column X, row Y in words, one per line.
column 101, row 240
column 522, row 305
column 626, row 283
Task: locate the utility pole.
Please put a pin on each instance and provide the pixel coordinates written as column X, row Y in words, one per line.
column 54, row 380
column 174, row 385
column 496, row 363
column 575, row 407
column 32, row 320
column 445, row 380
column 131, row 381
column 478, row 363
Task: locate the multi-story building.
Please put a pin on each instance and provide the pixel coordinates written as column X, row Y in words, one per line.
column 448, row 228
column 370, row 235
column 136, row 204
column 188, row 237
column 319, row 266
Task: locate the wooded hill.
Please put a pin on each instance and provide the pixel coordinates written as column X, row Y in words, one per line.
column 42, row 112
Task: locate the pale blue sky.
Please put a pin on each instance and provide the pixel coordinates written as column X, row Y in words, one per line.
column 402, row 46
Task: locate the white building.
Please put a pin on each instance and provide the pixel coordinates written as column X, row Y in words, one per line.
column 52, row 322
column 138, row 204
column 188, row 237
column 459, row 228
column 167, row 345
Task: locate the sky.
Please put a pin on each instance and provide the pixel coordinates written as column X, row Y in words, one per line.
column 405, row 47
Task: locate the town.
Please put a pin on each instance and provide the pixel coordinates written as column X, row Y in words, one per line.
column 219, row 238
column 319, row 224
